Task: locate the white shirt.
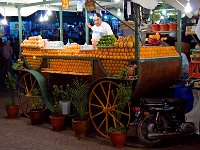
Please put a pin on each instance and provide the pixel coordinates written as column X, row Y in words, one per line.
column 99, row 31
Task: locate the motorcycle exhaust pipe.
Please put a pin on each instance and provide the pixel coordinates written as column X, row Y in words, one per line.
column 162, row 135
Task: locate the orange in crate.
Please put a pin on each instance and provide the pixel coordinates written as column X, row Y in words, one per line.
column 194, row 69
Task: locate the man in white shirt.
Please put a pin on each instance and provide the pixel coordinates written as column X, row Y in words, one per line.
column 100, row 28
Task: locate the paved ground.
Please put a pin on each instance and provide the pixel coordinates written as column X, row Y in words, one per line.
column 18, row 134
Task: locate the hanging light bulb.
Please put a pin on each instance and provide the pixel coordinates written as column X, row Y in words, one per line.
column 188, row 7
column 4, row 21
column 117, row 1
column 45, row 17
column 41, row 18
column 118, row 12
column 49, row 12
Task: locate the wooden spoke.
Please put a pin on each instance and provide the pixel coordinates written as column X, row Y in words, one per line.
column 97, row 114
column 115, row 119
column 108, row 95
column 101, row 123
column 103, row 90
column 96, row 105
column 98, row 99
column 26, row 85
column 106, row 121
column 123, row 113
column 31, row 79
column 115, row 100
column 33, row 84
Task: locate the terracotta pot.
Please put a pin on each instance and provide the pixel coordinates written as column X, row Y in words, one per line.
column 118, row 139
column 80, row 126
column 57, row 122
column 172, row 26
column 164, row 27
column 155, row 27
column 36, row 116
column 12, row 111
column 131, row 70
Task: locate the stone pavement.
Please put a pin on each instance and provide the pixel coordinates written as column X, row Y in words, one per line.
column 18, row 134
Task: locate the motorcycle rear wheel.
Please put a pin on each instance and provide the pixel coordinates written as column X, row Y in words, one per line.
column 149, row 125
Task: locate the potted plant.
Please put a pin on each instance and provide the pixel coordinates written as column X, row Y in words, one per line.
column 57, row 120
column 37, row 107
column 79, row 92
column 64, row 97
column 11, row 108
column 118, row 136
column 118, row 133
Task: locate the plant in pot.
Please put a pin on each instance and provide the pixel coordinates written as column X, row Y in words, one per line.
column 118, row 133
column 11, row 108
column 79, row 92
column 57, row 120
column 37, row 107
column 64, row 97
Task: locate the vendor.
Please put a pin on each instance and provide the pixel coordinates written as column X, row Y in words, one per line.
column 100, row 28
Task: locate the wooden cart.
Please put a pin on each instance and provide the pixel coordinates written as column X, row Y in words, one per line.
column 157, row 67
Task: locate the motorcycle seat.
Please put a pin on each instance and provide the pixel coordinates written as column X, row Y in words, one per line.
column 153, row 100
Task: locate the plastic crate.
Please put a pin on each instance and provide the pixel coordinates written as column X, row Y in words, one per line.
column 194, row 69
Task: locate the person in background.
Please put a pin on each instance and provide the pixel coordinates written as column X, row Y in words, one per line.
column 7, row 53
column 100, row 28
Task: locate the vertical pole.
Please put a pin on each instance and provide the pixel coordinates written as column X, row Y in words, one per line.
column 179, row 47
column 137, row 45
column 20, row 29
column 61, row 24
column 179, row 32
column 86, row 28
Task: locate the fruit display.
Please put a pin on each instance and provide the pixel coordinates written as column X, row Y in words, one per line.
column 158, row 51
column 82, row 67
column 107, row 40
column 113, row 67
column 34, row 62
column 125, row 42
column 31, row 51
column 156, row 40
column 33, row 42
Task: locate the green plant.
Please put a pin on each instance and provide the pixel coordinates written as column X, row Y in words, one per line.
column 18, row 64
column 123, row 73
column 57, row 110
column 79, row 92
column 117, row 129
column 11, row 84
column 59, row 93
column 36, row 100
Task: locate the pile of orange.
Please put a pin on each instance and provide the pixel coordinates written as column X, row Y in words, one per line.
column 31, row 51
column 33, row 61
column 158, row 51
column 33, row 42
column 67, row 65
column 113, row 67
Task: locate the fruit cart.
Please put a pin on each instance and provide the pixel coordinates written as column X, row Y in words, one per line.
column 157, row 67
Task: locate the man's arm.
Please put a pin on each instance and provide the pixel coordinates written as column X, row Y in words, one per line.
column 89, row 25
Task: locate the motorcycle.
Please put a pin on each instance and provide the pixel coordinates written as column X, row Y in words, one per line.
column 158, row 119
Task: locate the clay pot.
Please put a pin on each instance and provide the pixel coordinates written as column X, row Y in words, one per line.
column 164, row 27
column 80, row 126
column 118, row 139
column 155, row 27
column 57, row 122
column 12, row 111
column 131, row 70
column 36, row 117
column 172, row 26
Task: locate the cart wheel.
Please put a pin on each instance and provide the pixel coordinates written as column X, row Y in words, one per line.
column 27, row 83
column 102, row 108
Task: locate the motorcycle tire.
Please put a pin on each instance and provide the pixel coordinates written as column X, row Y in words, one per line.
column 143, row 129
